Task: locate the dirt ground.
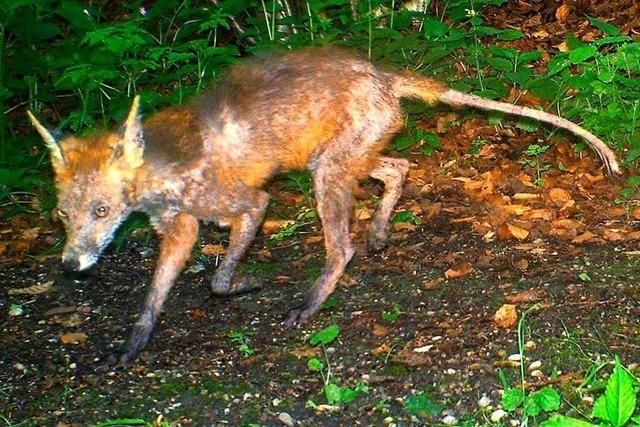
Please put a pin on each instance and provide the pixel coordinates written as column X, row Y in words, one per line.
column 478, row 233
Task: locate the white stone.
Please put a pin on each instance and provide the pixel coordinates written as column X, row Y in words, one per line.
column 484, row 401
column 286, row 419
column 535, row 365
column 497, row 415
column 449, row 420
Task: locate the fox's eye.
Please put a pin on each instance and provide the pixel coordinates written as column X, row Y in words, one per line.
column 61, row 213
column 102, row 211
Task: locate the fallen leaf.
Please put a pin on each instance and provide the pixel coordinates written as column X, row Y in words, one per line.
column 364, row 213
column 382, row 349
column 562, row 13
column 432, row 284
column 610, row 235
column 73, row 338
column 583, row 238
column 272, row 226
column 517, row 232
column 506, row 316
column 522, row 264
column 60, row 310
column 636, row 213
column 526, row 196
column 213, row 250
column 459, row 270
column 559, row 196
column 379, row 330
column 530, row 295
column 31, row 290
column 305, row 351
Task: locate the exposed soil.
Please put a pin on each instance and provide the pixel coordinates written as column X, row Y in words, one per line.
column 478, row 219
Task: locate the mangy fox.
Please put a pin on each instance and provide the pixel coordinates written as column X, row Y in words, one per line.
column 321, row 109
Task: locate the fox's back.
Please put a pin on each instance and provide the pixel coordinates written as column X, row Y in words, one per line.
column 279, row 112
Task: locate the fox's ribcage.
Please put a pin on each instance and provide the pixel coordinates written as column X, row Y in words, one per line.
column 243, row 230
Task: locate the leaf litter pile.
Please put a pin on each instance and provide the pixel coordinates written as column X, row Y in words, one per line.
column 490, row 225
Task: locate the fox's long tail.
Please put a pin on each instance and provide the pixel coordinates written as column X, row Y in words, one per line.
column 432, row 91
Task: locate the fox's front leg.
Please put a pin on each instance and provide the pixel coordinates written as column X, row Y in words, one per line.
column 243, row 230
column 178, row 238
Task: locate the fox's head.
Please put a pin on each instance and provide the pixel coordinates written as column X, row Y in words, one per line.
column 94, row 178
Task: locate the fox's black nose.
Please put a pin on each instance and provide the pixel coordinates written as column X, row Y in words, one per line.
column 70, row 266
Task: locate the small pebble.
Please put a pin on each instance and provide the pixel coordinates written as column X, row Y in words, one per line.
column 449, row 420
column 535, row 365
column 529, row 345
column 588, row 399
column 484, row 401
column 388, row 420
column 514, row 423
column 286, row 419
column 497, row 415
column 537, row 373
column 515, row 357
column 276, row 401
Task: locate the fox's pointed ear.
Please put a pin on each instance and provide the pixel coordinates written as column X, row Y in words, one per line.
column 130, row 149
column 57, row 157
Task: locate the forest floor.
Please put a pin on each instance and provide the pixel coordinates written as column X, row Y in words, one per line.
column 474, row 233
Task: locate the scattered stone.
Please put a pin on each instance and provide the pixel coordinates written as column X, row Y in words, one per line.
column 529, row 345
column 286, row 419
column 497, row 415
column 515, row 357
column 388, row 420
column 276, row 401
column 484, row 401
column 506, row 316
column 449, row 420
column 535, row 365
column 73, row 338
column 423, row 349
column 537, row 373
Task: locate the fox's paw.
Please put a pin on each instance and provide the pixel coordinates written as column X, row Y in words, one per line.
column 239, row 285
column 115, row 362
column 376, row 241
column 299, row 316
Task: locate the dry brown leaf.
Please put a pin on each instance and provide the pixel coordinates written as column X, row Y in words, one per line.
column 559, row 196
column 60, row 310
column 364, row 213
column 522, row 264
column 31, row 290
column 432, row 284
column 636, row 213
column 213, row 250
column 583, row 238
column 379, row 330
column 305, row 351
column 562, row 13
column 382, row 349
column 517, row 209
column 272, row 226
column 313, row 239
column 403, row 226
column 73, row 338
column 459, row 270
column 530, row 295
column 517, row 232
column 526, row 196
column 506, row 316
column 611, row 235
column 542, row 34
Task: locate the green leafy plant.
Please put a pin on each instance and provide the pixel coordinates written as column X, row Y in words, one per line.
column 241, row 339
column 534, row 152
column 334, row 393
column 391, row 316
column 614, row 408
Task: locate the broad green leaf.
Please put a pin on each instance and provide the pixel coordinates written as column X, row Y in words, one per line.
column 547, row 398
column 315, row 365
column 620, row 397
column 534, row 55
column 325, row 336
column 434, row 28
column 600, row 409
column 531, row 408
column 509, row 35
column 562, row 421
column 332, row 393
column 582, row 54
column 608, row 29
column 421, row 406
column 512, row 398
column 584, row 277
column 403, row 142
column 500, row 64
column 123, row 422
column 528, row 125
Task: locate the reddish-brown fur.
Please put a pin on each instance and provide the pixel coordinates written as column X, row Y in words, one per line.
column 321, row 109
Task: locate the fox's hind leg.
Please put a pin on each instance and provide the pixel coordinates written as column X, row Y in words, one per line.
column 333, row 186
column 243, row 230
column 392, row 172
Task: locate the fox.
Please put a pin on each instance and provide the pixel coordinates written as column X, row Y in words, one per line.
column 324, row 109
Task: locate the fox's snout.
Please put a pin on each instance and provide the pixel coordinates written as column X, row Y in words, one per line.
column 70, row 265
